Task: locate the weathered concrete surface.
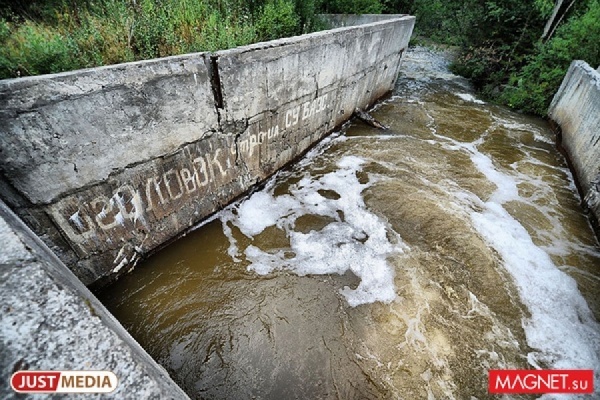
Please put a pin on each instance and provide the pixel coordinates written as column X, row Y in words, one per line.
column 65, row 131
column 576, row 109
column 108, row 164
column 50, row 321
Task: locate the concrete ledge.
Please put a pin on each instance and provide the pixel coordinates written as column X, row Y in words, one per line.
column 576, row 109
column 108, row 164
column 342, row 20
column 50, row 321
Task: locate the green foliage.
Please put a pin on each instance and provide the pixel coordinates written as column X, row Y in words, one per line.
column 43, row 36
column 531, row 88
column 500, row 43
column 278, row 19
column 39, row 10
column 40, row 37
column 308, row 14
column 442, row 21
column 545, row 7
column 353, row 7
column 31, row 50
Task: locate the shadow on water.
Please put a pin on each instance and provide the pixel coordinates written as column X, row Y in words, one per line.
column 287, row 294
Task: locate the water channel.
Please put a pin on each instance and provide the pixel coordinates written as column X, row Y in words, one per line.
column 401, row 263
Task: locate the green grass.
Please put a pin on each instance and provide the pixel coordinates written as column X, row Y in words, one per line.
column 59, row 35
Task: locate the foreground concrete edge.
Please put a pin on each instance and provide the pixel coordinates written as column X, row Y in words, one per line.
column 51, row 321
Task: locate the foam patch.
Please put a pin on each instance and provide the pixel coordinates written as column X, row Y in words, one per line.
column 356, row 240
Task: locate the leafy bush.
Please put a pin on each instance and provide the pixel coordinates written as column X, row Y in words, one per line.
column 500, row 43
column 442, row 21
column 42, row 36
column 308, row 14
column 278, row 19
column 353, row 7
column 496, row 36
column 31, row 49
column 531, row 88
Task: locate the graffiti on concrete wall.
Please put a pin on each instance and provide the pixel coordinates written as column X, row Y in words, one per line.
column 161, row 187
column 290, row 119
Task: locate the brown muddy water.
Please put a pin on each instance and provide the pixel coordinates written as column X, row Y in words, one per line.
column 403, row 263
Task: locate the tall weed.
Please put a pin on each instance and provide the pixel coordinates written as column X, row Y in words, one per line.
column 39, row 37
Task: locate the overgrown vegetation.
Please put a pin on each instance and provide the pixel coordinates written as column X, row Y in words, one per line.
column 503, row 50
column 532, row 86
column 502, row 46
column 50, row 36
column 352, row 7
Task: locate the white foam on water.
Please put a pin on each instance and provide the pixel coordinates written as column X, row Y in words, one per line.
column 469, row 97
column 506, row 185
column 262, row 210
column 358, row 242
column 561, row 328
column 543, row 138
column 538, row 134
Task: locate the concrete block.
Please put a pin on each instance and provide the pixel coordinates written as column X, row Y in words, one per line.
column 63, row 132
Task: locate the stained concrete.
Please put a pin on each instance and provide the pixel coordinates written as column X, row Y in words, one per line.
column 108, row 164
column 81, row 126
column 50, row 321
column 576, row 109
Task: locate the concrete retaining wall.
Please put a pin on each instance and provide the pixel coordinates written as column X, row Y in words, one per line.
column 50, row 321
column 342, row 20
column 576, row 109
column 109, row 163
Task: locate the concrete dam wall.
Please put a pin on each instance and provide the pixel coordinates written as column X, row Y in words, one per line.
column 108, row 164
column 576, row 109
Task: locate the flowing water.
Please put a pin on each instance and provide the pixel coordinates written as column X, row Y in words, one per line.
column 401, row 263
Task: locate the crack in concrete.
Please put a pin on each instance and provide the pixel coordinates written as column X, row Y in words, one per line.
column 139, row 107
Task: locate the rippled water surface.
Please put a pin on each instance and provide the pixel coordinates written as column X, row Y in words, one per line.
column 400, row 263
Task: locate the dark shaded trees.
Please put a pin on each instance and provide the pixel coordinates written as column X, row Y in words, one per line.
column 515, row 52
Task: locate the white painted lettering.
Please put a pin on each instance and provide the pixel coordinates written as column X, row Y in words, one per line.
column 105, row 211
column 179, row 192
column 215, row 162
column 153, row 183
column 305, row 110
column 127, row 194
column 203, row 169
column 273, row 132
column 292, row 116
column 189, row 180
